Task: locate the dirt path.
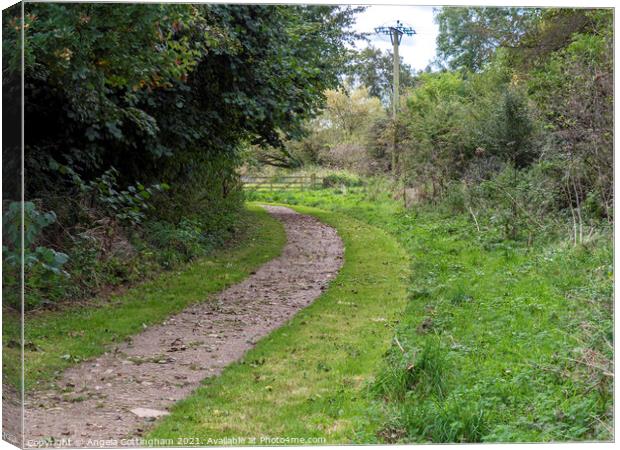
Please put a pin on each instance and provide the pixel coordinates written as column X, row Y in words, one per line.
column 167, row 362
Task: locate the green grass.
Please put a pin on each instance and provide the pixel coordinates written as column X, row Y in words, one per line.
column 57, row 339
column 501, row 341
column 309, row 379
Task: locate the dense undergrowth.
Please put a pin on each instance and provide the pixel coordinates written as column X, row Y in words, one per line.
column 502, row 339
column 106, row 255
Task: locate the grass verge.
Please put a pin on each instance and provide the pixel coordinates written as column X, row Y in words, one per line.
column 55, row 340
column 501, row 341
column 309, row 378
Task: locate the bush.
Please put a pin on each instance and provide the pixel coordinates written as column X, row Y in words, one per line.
column 180, row 243
column 342, row 179
column 43, row 266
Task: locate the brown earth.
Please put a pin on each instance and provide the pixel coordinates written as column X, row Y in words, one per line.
column 11, row 414
column 165, row 363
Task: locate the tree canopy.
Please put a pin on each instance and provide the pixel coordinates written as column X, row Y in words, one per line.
column 468, row 37
column 137, row 87
column 372, row 68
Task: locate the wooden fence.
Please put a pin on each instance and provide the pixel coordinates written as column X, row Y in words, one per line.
column 282, row 183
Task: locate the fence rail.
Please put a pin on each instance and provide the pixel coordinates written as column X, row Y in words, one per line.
column 282, row 183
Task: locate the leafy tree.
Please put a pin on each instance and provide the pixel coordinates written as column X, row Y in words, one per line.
column 340, row 136
column 555, row 30
column 468, row 37
column 573, row 90
column 158, row 91
column 350, row 113
column 168, row 94
column 372, row 68
column 437, row 131
column 509, row 131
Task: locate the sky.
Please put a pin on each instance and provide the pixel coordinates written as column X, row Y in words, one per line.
column 418, row 50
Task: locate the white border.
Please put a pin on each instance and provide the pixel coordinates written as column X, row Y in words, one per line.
column 548, row 3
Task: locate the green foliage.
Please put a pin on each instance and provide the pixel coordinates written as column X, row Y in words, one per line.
column 509, row 134
column 341, row 135
column 342, row 179
column 179, row 243
column 436, row 131
column 372, row 68
column 572, row 88
column 223, row 75
column 469, row 36
column 128, row 206
column 414, row 370
column 42, row 266
column 537, row 115
column 522, row 203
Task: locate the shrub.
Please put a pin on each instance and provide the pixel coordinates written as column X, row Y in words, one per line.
column 42, row 265
column 179, row 243
column 102, row 196
column 342, row 179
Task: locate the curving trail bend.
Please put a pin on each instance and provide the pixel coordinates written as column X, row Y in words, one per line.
column 118, row 395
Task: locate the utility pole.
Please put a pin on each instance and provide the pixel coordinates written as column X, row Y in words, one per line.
column 396, row 35
column 396, row 96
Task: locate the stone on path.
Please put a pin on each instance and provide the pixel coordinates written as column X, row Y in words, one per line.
column 146, row 413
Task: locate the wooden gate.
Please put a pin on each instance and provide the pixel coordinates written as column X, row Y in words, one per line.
column 282, row 183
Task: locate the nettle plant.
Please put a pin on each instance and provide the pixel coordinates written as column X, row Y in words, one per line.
column 35, row 257
column 128, row 206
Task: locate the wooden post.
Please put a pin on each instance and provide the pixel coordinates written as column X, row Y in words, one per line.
column 313, row 181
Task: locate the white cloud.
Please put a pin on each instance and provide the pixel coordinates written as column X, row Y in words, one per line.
column 417, row 50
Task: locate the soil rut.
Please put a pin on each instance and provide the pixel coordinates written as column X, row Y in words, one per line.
column 166, row 362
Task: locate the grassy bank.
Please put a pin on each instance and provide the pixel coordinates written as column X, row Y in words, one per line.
column 501, row 340
column 54, row 340
column 310, row 378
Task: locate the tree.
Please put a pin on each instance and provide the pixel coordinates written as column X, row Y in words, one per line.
column 157, row 90
column 166, row 93
column 553, row 31
column 468, row 37
column 437, row 128
column 373, row 69
column 340, row 136
column 572, row 88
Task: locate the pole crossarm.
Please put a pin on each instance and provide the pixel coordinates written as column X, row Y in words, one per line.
column 396, row 32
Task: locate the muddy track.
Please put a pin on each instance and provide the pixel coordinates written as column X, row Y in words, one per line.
column 109, row 397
